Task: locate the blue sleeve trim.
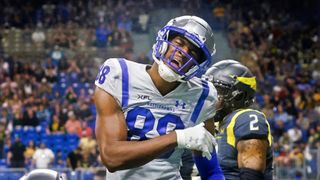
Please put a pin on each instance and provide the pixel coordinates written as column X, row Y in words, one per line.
column 125, row 83
column 200, row 102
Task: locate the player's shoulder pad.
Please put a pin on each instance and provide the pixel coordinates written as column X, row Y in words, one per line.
column 213, row 94
column 109, row 75
column 110, row 69
column 113, row 63
column 250, row 124
column 207, row 101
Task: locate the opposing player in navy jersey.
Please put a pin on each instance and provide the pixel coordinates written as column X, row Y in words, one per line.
column 244, row 137
column 148, row 115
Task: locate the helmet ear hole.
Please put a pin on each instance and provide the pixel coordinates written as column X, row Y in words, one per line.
column 240, row 96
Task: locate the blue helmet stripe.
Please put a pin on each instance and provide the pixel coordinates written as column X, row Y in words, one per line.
column 200, row 102
column 125, row 83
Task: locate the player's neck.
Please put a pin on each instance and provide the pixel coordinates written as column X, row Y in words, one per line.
column 163, row 86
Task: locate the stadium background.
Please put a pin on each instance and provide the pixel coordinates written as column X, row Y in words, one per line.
column 50, row 52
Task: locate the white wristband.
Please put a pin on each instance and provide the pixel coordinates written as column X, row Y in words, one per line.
column 181, row 139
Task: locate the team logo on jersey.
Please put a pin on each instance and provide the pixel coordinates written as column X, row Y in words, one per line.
column 180, row 103
column 144, row 97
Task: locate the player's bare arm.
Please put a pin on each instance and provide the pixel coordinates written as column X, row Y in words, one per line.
column 111, row 131
column 252, row 154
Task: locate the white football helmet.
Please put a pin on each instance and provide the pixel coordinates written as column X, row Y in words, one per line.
column 195, row 30
column 41, row 174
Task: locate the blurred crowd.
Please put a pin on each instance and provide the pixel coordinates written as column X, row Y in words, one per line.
column 42, row 100
column 48, row 103
column 279, row 42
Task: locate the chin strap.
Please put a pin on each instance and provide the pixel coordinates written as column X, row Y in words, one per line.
column 167, row 74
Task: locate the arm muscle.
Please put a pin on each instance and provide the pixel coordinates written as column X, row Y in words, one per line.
column 111, row 131
column 252, row 154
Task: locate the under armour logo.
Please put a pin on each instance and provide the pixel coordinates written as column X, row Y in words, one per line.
column 196, row 140
column 180, row 103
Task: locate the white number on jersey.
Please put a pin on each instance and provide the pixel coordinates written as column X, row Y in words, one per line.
column 253, row 122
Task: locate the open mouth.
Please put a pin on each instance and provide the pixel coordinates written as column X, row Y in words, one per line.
column 175, row 64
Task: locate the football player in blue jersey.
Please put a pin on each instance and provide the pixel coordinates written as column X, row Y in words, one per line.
column 148, row 115
column 244, row 137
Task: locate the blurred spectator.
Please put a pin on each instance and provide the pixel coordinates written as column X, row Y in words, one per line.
column 43, row 157
column 74, row 159
column 38, row 36
column 57, row 54
column 85, row 130
column 87, row 143
column 8, row 83
column 4, row 116
column 72, row 38
column 51, row 73
column 283, row 159
column 59, row 40
column 296, row 157
column 124, row 22
column 28, row 86
column 88, row 160
column 285, row 140
column 2, row 139
column 143, row 20
column 59, row 161
column 291, row 109
column 278, row 130
column 126, row 44
column 18, row 120
column 102, row 36
column 61, row 111
column 83, row 95
column 304, row 123
column 86, row 74
column 43, row 114
column 48, row 10
column 15, row 157
column 29, row 117
column 116, row 38
column 73, row 125
column 73, row 67
column 295, row 135
column 70, row 96
column 28, row 153
column 84, row 113
column 314, row 138
column 15, row 103
column 219, row 14
column 282, row 115
column 56, row 127
column 45, row 89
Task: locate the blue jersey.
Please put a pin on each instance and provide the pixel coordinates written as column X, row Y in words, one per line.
column 240, row 125
column 149, row 114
